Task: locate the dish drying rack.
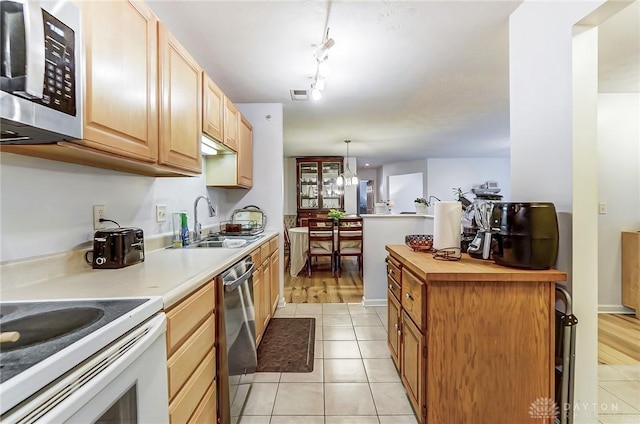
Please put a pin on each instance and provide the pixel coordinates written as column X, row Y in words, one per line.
column 239, row 227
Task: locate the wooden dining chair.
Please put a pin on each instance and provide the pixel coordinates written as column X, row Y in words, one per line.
column 321, row 243
column 287, row 248
column 349, row 240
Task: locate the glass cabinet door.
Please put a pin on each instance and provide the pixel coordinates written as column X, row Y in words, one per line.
column 331, row 193
column 308, row 184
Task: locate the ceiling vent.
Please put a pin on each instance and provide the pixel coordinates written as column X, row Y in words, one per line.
column 297, row 95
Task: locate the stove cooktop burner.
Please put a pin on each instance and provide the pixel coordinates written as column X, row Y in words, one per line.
column 46, row 320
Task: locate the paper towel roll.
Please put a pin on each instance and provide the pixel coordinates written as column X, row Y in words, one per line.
column 447, row 218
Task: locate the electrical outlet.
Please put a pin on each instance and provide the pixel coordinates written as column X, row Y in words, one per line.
column 161, row 213
column 99, row 212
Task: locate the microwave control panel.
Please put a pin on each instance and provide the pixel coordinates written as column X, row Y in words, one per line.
column 59, row 91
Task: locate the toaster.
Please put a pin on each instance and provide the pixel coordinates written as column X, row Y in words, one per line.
column 117, row 247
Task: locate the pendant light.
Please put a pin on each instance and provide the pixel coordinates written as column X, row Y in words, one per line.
column 347, row 178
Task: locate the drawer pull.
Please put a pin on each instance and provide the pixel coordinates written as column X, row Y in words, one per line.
column 391, row 287
column 409, row 296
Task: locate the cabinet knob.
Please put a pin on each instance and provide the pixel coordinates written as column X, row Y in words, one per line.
column 391, row 287
column 409, row 296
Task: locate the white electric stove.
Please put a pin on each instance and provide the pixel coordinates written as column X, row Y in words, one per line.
column 83, row 360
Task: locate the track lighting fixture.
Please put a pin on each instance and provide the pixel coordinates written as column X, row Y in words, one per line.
column 321, row 54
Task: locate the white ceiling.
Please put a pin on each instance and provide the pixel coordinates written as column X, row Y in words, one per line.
column 410, row 79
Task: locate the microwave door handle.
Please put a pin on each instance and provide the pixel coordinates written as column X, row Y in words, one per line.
column 34, row 40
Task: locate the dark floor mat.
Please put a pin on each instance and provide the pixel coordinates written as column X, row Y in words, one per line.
column 287, row 345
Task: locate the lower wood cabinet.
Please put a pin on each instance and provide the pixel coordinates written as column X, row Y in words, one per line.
column 191, row 365
column 394, row 325
column 266, row 284
column 275, row 278
column 631, row 270
column 412, row 358
column 473, row 341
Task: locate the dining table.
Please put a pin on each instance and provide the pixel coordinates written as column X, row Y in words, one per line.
column 299, row 246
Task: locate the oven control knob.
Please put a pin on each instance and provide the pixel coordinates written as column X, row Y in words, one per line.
column 100, row 260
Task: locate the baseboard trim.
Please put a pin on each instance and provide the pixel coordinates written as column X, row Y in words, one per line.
column 374, row 302
column 615, row 309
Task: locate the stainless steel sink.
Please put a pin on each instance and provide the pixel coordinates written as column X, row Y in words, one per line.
column 207, row 243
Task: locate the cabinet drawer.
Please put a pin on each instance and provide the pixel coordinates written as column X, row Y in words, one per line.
column 185, row 403
column 182, row 364
column 206, row 412
column 394, row 270
column 265, row 252
column 273, row 245
column 413, row 294
column 394, row 288
column 187, row 315
column 256, row 257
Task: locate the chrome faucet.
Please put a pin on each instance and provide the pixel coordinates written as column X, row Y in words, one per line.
column 197, row 227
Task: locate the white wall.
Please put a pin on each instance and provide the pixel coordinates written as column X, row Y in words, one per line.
column 399, row 168
column 618, row 187
column 448, row 173
column 542, row 154
column 404, row 189
column 47, row 206
column 290, row 196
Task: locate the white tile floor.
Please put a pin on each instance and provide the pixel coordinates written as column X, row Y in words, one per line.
column 619, row 394
column 353, row 381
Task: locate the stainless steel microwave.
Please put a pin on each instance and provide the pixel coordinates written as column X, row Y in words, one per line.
column 40, row 81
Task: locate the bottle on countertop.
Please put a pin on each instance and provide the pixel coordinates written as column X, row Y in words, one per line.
column 184, row 229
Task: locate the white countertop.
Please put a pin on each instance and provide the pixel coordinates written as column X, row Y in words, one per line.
column 169, row 273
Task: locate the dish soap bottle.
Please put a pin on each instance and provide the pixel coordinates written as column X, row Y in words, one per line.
column 184, row 229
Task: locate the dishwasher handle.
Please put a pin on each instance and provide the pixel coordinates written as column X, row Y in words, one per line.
column 234, row 284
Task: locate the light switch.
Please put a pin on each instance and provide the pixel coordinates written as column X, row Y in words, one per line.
column 602, row 208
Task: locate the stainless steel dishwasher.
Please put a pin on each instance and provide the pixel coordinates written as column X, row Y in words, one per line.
column 237, row 328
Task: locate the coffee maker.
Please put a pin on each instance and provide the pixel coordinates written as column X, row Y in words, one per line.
column 477, row 232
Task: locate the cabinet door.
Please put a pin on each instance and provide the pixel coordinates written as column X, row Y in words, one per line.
column 120, row 87
column 308, row 177
column 245, row 154
column 411, row 357
column 331, row 194
column 181, row 105
column 394, row 328
column 230, row 125
column 213, row 113
column 275, row 280
column 266, row 292
column 257, row 303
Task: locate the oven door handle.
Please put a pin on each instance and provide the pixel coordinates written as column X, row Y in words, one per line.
column 232, row 285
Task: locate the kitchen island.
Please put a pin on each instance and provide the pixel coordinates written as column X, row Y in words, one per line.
column 473, row 341
column 380, row 230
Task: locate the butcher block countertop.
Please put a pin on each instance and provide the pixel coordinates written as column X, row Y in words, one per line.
column 424, row 266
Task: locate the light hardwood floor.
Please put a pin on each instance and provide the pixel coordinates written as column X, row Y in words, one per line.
column 618, row 339
column 322, row 287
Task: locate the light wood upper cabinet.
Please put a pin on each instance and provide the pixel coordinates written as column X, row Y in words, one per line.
column 213, row 113
column 181, row 105
column 120, row 105
column 231, row 123
column 233, row 169
column 245, row 154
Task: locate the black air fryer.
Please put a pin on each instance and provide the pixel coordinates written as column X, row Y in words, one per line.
column 525, row 235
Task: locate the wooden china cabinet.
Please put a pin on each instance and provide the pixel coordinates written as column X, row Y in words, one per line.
column 317, row 190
